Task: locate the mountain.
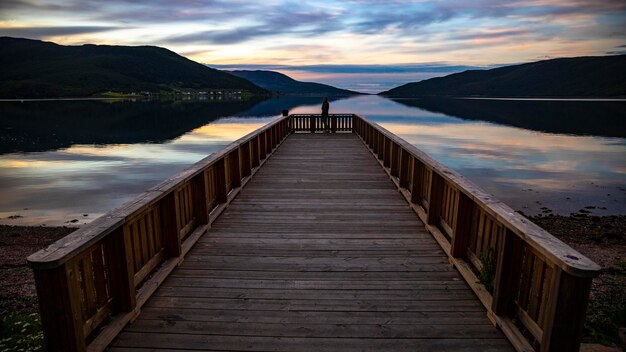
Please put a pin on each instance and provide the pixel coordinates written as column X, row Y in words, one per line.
column 37, row 69
column 280, row 83
column 600, row 76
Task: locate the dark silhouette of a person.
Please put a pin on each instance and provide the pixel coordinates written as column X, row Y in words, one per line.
column 325, row 107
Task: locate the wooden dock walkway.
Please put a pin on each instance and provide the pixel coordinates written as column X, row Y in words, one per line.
column 319, row 252
column 289, row 239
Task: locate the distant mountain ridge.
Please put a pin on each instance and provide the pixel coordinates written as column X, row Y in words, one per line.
column 38, row 69
column 599, row 76
column 280, row 83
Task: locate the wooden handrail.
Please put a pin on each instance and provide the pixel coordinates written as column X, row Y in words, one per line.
column 91, row 283
column 539, row 286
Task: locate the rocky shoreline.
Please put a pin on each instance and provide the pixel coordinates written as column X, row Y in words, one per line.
column 601, row 238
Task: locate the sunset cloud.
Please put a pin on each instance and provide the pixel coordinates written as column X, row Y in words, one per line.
column 334, row 34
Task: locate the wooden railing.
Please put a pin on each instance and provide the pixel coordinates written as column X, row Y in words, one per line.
column 534, row 287
column 316, row 123
column 91, row 283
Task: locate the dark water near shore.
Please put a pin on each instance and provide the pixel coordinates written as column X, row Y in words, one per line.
column 65, row 160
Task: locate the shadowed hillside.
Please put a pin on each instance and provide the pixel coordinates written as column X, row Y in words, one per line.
column 280, row 83
column 602, row 76
column 37, row 69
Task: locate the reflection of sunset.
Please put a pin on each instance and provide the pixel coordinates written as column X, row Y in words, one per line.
column 507, row 161
column 56, row 186
column 493, row 137
column 224, row 131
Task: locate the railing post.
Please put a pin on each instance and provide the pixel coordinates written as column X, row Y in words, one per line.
column 417, row 180
column 381, row 146
column 268, row 141
column 394, row 159
column 244, row 157
column 59, row 307
column 171, row 238
column 436, row 198
column 199, row 199
column 255, row 152
column 355, row 126
column 462, row 228
column 333, row 123
column 274, row 136
column 312, row 123
column 508, row 269
column 262, row 147
column 220, row 182
column 405, row 163
column 387, row 152
column 572, row 296
column 375, row 141
column 235, row 168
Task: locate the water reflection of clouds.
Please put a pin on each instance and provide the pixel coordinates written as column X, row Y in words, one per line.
column 89, row 179
column 563, row 171
column 224, row 130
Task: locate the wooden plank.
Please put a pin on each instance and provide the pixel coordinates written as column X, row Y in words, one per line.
column 262, row 343
column 312, row 283
column 321, row 294
column 312, row 330
column 303, row 317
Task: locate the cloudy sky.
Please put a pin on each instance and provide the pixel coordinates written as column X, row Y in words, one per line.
column 367, row 45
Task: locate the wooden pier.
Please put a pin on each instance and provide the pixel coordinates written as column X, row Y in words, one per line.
column 289, row 240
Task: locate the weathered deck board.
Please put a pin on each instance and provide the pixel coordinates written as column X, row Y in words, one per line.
column 318, row 252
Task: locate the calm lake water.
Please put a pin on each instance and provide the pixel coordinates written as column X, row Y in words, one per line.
column 66, row 160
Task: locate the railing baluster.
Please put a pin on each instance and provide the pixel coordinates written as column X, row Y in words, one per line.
column 404, row 168
column 436, row 198
column 463, row 224
column 394, row 159
column 244, row 158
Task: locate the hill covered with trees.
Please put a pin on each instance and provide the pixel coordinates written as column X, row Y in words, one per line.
column 283, row 84
column 601, row 76
column 37, row 69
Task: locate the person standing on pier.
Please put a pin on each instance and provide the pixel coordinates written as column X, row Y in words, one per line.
column 325, row 107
